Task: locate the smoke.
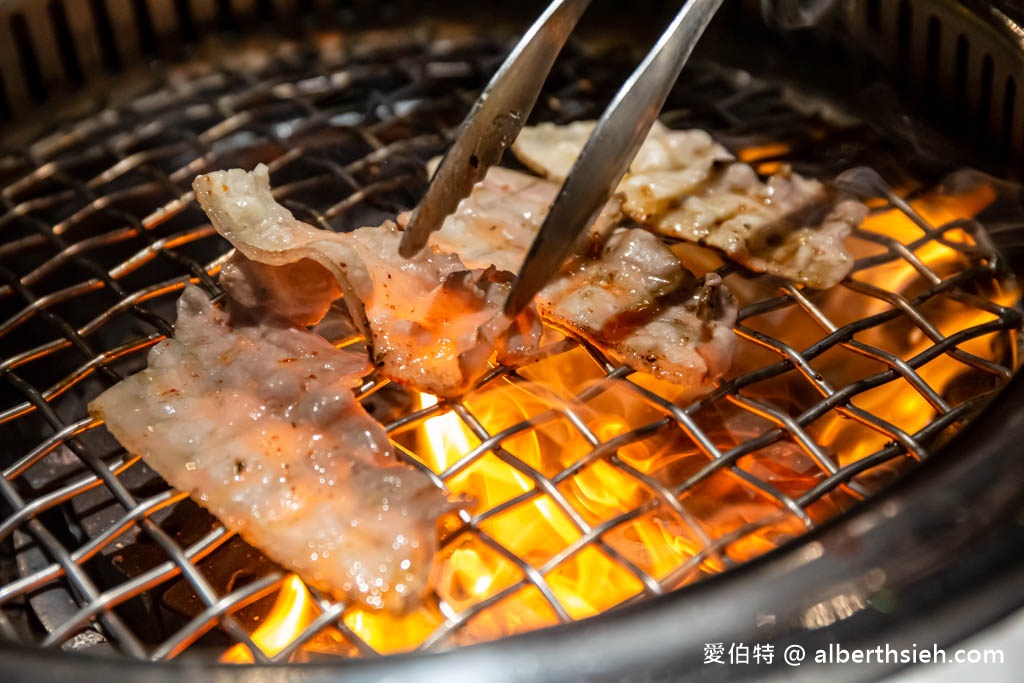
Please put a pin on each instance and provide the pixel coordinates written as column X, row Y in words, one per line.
column 793, row 15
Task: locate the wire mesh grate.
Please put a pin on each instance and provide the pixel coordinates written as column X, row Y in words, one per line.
column 837, row 393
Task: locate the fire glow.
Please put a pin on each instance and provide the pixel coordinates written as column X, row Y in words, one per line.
column 604, row 532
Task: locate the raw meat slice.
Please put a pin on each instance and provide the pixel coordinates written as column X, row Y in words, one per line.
column 256, row 420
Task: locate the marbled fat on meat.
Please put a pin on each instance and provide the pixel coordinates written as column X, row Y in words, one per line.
column 431, row 323
column 623, row 290
column 256, row 420
column 685, row 186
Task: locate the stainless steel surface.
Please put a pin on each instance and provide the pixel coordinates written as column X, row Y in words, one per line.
column 960, row 60
column 609, row 150
column 953, row 49
column 494, row 121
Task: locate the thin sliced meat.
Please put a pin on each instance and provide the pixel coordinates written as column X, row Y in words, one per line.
column 624, row 290
column 431, row 323
column 669, row 163
column 685, row 186
column 789, row 226
column 635, row 300
column 301, row 292
column 496, row 223
column 256, row 420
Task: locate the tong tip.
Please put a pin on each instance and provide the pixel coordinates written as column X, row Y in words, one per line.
column 411, row 242
column 518, row 299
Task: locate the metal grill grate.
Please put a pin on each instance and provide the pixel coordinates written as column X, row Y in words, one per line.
column 100, row 235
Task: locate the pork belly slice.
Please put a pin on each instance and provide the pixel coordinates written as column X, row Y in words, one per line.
column 301, row 292
column 256, row 421
column 668, row 164
column 684, row 185
column 624, row 290
column 430, row 322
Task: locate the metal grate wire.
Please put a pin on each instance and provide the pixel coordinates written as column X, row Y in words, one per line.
column 100, row 234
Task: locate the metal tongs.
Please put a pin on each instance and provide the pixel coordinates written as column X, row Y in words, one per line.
column 502, row 109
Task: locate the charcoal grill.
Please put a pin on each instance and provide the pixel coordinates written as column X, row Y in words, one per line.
column 119, row 576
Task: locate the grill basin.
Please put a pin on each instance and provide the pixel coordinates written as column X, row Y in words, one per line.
column 104, row 237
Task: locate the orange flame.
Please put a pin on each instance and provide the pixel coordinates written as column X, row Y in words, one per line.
column 291, row 613
column 904, row 407
column 679, row 540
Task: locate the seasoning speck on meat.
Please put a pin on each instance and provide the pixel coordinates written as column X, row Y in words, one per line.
column 430, row 322
column 685, row 186
column 623, row 290
column 635, row 300
column 256, row 420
